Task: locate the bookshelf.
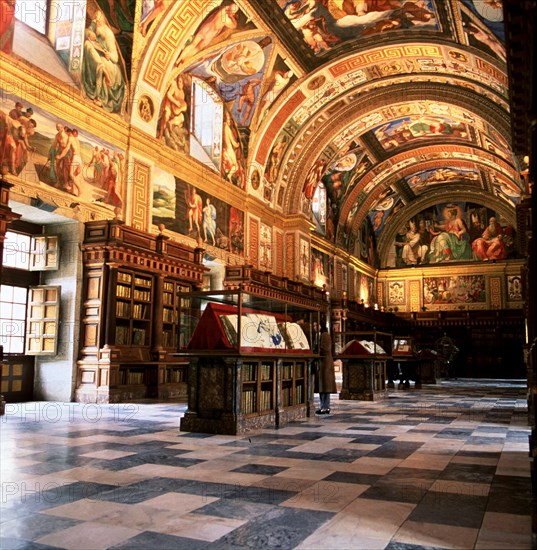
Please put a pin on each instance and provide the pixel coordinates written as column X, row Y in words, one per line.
column 170, row 313
column 129, row 319
column 134, row 304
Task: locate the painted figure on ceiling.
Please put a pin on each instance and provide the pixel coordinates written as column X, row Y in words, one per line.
column 174, row 107
column 218, row 26
column 151, row 9
column 232, row 153
column 103, row 70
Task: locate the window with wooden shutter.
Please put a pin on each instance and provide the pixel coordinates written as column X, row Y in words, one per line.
column 42, row 320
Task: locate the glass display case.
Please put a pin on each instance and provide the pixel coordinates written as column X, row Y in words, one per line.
column 249, row 359
column 404, row 365
column 364, row 355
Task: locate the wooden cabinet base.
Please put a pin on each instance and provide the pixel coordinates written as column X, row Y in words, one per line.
column 235, row 395
column 364, row 380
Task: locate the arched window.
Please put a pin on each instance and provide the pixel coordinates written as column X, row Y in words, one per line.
column 206, row 124
column 319, row 208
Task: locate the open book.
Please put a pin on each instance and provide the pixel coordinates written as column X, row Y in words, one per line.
column 294, row 336
column 362, row 347
column 257, row 331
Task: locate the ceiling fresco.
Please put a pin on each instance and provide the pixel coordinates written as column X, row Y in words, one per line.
column 389, row 107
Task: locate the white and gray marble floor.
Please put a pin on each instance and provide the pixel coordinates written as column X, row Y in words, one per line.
column 446, row 466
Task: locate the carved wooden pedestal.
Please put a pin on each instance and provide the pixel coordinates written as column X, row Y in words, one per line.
column 364, row 380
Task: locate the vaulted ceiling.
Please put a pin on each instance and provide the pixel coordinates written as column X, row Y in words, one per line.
column 392, row 105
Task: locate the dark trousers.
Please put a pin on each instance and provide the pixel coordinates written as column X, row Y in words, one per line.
column 324, row 398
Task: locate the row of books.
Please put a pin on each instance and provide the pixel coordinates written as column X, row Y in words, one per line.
column 123, row 291
column 124, row 277
column 140, row 311
column 167, row 298
column 174, row 376
column 123, row 309
column 249, row 401
column 168, row 340
column 139, row 281
column 142, row 295
column 167, row 315
column 127, row 377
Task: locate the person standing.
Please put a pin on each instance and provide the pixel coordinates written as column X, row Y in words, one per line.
column 326, row 375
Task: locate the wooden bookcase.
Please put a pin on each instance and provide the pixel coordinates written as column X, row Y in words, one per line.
column 129, row 322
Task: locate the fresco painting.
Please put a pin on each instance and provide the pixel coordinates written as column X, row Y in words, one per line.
column 506, row 190
column 456, row 289
column 174, row 115
column 38, row 147
column 326, row 24
column 514, row 288
column 452, row 232
column 487, row 12
column 396, row 293
column 365, row 245
column 277, row 80
column 342, row 175
column 151, row 11
column 219, row 25
column 185, row 209
column 106, row 61
column 321, row 272
column 7, row 25
column 407, row 129
column 423, row 180
column 386, row 206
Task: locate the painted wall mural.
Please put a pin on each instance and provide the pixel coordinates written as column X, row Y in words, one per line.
column 185, row 209
column 386, row 206
column 326, row 24
column 321, row 268
column 506, row 189
column 214, row 97
column 40, row 148
column 453, row 232
column 457, row 289
column 514, row 288
column 107, row 53
column 396, row 293
column 7, row 25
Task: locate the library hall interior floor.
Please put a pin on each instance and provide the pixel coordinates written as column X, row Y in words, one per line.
column 446, row 466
